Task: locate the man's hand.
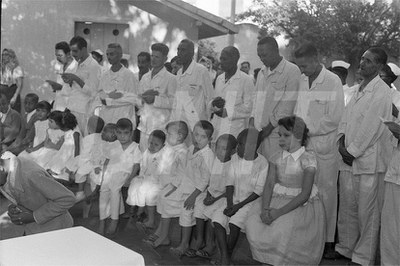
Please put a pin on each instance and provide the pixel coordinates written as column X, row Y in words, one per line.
column 149, row 96
column 346, row 156
column 54, row 85
column 230, row 211
column 208, row 200
column 20, row 215
column 189, row 202
column 266, row 131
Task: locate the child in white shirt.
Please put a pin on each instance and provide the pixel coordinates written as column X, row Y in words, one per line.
column 145, row 188
column 193, row 186
column 119, row 170
column 168, row 206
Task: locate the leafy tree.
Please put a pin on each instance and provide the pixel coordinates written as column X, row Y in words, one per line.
column 206, row 48
column 339, row 28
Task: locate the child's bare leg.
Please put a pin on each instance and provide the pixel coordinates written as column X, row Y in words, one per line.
column 232, row 239
column 210, row 240
column 151, row 211
column 163, row 238
column 184, row 245
column 220, row 234
column 102, row 225
column 115, row 202
column 199, row 241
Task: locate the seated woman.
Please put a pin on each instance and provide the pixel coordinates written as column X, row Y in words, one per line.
column 10, row 123
column 287, row 227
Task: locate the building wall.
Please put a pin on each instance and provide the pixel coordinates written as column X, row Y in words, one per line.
column 33, row 27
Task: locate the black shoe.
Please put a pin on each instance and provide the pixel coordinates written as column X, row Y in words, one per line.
column 334, row 255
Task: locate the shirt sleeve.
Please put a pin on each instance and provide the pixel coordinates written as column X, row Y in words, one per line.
column 202, row 178
column 166, row 100
column 244, row 108
column 92, row 82
column 287, row 101
column 371, row 127
column 59, row 198
column 261, row 178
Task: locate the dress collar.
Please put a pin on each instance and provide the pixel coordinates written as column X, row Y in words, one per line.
column 295, row 155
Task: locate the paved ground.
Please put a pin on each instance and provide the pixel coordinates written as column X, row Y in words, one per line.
column 129, row 236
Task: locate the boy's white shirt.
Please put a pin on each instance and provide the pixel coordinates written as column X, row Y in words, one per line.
column 218, row 179
column 247, row 177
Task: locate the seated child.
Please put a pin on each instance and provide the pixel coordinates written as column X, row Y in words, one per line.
column 193, row 186
column 245, row 182
column 145, row 188
column 287, row 226
column 216, row 196
column 10, row 123
column 90, row 157
column 168, row 206
column 43, row 151
column 27, row 132
column 69, row 149
column 120, row 169
column 390, row 219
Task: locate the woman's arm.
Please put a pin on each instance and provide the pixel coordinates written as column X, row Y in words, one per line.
column 269, row 187
column 19, row 83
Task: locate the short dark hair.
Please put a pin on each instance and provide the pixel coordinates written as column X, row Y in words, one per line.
column 33, row 96
column 159, row 134
column 125, row 123
column 79, row 41
column 189, row 43
column 44, row 105
column 233, row 52
column 340, row 71
column 98, row 122
column 206, row 126
column 57, row 117
column 271, row 42
column 146, row 55
column 389, row 73
column 63, row 46
column 297, row 126
column 306, row 50
column 245, row 62
column 380, row 55
column 250, row 134
column 174, row 59
column 182, row 127
column 160, row 47
column 69, row 121
column 232, row 142
column 2, row 95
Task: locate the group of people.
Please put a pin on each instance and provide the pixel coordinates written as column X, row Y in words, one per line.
column 268, row 159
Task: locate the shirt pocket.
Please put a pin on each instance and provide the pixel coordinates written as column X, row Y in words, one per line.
column 317, row 108
column 194, row 89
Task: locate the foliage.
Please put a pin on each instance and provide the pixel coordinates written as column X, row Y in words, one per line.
column 336, row 27
column 207, row 48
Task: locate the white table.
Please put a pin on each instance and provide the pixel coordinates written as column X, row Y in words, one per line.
column 72, row 246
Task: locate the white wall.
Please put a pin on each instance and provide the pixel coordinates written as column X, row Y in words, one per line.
column 33, row 27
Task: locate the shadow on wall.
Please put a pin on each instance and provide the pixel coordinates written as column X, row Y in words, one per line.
column 32, row 28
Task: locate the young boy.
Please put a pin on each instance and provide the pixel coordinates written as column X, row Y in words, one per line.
column 27, row 132
column 245, row 184
column 216, row 197
column 10, row 123
column 168, row 206
column 120, row 169
column 90, row 156
column 193, row 186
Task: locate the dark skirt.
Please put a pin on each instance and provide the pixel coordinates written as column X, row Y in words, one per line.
column 9, row 92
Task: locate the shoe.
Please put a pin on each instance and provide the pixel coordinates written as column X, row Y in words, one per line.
column 334, row 255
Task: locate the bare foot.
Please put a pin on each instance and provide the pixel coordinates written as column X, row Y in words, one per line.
column 112, row 228
column 152, row 237
column 179, row 251
column 161, row 242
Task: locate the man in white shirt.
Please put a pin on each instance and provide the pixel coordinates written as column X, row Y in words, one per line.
column 157, row 90
column 340, row 68
column 194, row 87
column 276, row 94
column 84, row 82
column 321, row 104
column 365, row 149
column 118, row 89
column 233, row 97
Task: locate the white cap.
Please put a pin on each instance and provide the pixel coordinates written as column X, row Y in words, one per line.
column 98, row 51
column 340, row 63
column 395, row 69
column 126, row 56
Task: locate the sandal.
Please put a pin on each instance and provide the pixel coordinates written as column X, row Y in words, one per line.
column 190, row 253
column 203, row 254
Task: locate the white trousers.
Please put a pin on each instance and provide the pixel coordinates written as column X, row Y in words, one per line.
column 359, row 218
column 390, row 226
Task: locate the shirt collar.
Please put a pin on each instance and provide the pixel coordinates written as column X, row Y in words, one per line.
column 371, row 85
column 295, row 155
